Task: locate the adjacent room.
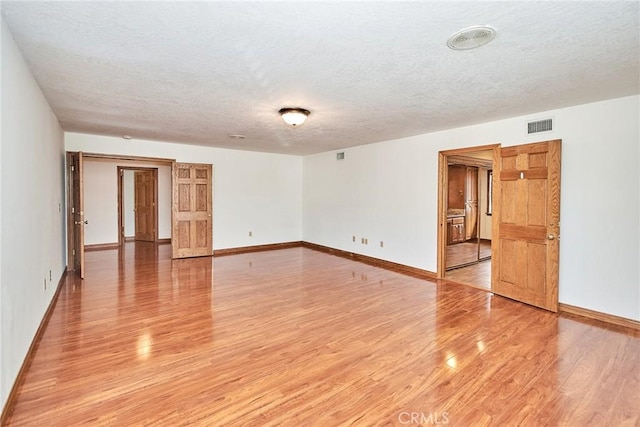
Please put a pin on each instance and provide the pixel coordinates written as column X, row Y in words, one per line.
column 320, row 213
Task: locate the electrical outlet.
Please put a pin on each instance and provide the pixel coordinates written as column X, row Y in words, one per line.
column 251, row 234
column 354, row 238
column 45, row 283
column 366, row 241
column 381, row 244
column 50, row 277
column 362, row 240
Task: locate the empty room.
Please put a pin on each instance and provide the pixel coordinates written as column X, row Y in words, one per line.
column 320, row 213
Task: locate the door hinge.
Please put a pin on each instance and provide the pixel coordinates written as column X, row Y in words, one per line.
column 73, row 168
column 73, row 210
column 73, row 252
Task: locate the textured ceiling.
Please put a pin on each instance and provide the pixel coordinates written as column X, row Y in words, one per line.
column 197, row 72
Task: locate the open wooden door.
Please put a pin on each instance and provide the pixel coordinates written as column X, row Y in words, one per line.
column 76, row 221
column 191, row 210
column 526, row 223
column 145, row 206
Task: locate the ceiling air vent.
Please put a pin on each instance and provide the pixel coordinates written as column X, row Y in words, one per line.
column 340, row 155
column 538, row 126
column 472, row 37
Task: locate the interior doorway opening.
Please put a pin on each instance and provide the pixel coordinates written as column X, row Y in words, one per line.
column 465, row 215
column 137, row 204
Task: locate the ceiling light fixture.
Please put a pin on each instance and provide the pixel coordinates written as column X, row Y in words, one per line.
column 294, row 117
column 127, row 136
column 472, row 37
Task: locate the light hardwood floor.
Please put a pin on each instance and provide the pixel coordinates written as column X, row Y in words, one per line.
column 297, row 337
column 467, row 252
column 476, row 275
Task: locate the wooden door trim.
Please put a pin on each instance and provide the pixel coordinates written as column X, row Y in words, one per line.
column 70, row 219
column 118, row 158
column 443, row 177
column 120, row 170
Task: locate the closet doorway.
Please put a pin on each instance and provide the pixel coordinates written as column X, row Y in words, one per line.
column 466, row 216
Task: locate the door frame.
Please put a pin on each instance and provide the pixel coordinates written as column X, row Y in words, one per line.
column 120, row 171
column 71, row 233
column 443, row 182
column 152, row 161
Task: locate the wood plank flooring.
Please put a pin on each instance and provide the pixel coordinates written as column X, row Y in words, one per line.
column 467, row 252
column 297, row 337
column 477, row 275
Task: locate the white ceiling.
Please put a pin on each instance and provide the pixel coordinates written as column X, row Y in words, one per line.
column 197, row 72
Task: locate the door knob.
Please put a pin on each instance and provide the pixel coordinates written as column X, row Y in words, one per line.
column 551, row 237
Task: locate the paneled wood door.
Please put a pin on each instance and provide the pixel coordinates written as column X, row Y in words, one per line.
column 145, row 206
column 75, row 214
column 191, row 210
column 526, row 223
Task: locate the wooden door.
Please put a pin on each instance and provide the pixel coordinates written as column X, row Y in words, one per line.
column 191, row 210
column 526, row 223
column 145, row 206
column 76, row 221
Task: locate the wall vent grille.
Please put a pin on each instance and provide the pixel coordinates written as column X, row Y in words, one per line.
column 538, row 126
column 340, row 155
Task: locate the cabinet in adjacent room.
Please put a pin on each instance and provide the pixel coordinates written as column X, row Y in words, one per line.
column 455, row 230
column 463, row 200
column 457, row 185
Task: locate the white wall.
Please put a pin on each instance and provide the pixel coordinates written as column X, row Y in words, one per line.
column 388, row 191
column 101, row 200
column 31, row 216
column 257, row 192
column 129, row 202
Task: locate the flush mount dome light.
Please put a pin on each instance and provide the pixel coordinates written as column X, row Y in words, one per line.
column 294, row 117
column 472, row 37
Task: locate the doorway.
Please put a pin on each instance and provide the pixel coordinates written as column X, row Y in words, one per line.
column 465, row 213
column 137, row 204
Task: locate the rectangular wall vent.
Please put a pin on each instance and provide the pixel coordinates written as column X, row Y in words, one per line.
column 340, row 155
column 538, row 126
